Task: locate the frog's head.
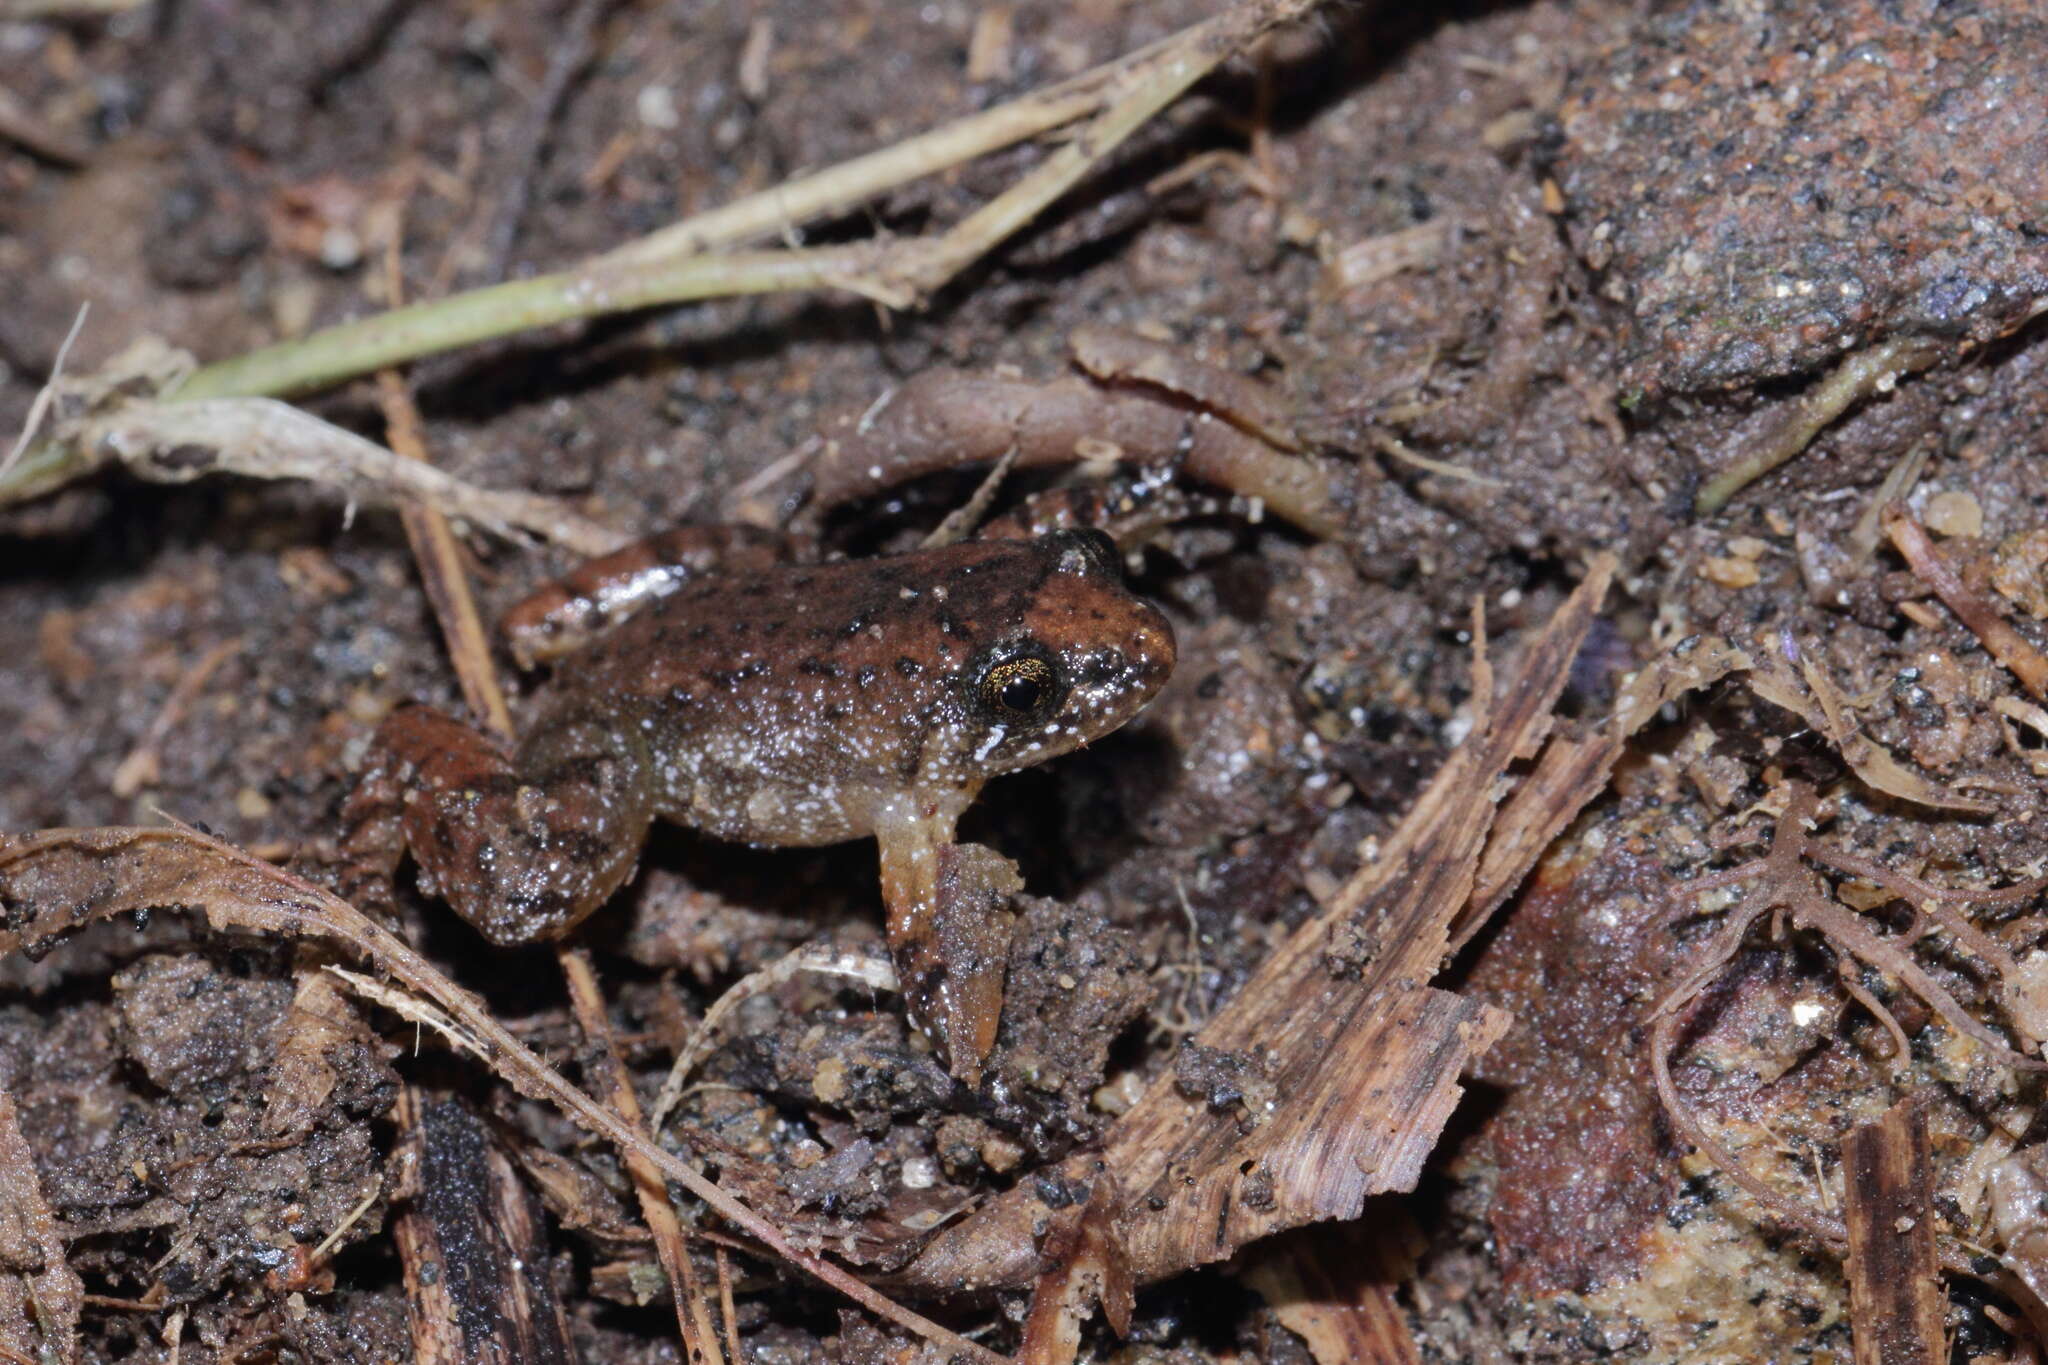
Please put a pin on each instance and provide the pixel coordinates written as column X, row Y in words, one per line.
column 1083, row 656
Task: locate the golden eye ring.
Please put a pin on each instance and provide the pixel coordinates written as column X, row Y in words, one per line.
column 1020, row 690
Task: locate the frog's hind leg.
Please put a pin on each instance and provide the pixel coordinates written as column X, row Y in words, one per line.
column 523, row 845
column 561, row 617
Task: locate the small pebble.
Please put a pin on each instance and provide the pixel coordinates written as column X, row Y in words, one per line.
column 829, row 1084
column 1954, row 514
column 340, row 249
column 1730, row 572
column 1119, row 1095
column 1001, row 1155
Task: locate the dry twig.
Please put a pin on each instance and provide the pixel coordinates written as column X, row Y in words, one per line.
column 262, row 438
column 672, row 267
column 872, row 969
column 434, row 548
column 898, row 274
column 693, row 1318
column 39, row 407
column 1787, row 432
column 944, row 419
column 1896, row 1306
column 1992, row 630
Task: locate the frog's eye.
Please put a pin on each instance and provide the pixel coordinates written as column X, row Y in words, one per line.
column 1020, row 689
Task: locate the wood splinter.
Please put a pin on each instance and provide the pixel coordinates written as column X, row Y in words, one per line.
column 1895, row 1299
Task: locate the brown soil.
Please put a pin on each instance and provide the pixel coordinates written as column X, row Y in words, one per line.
column 1647, row 231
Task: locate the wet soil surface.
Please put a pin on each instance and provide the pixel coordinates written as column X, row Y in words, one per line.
column 1523, row 278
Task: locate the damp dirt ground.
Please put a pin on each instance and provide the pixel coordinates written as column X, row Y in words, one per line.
column 1523, row 279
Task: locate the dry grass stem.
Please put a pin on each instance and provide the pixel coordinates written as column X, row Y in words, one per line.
column 265, row 439
column 693, row 1318
column 1789, row 431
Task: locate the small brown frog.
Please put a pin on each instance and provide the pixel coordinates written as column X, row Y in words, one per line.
column 784, row 705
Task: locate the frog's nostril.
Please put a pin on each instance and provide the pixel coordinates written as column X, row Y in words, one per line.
column 1104, row 665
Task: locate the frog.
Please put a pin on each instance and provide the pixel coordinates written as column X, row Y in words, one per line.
column 722, row 685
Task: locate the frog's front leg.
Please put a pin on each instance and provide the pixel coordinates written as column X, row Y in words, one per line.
column 521, row 844
column 949, row 930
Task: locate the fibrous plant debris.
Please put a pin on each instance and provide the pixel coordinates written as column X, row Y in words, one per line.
column 1783, row 882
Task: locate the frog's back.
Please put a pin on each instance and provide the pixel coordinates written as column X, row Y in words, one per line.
column 780, row 705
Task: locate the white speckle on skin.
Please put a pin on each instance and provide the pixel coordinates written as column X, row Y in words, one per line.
column 988, row 746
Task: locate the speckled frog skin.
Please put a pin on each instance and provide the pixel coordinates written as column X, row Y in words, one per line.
column 789, row 705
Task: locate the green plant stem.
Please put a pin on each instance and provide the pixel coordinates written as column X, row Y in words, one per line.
column 422, row 329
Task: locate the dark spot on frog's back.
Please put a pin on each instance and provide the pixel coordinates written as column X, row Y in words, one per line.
column 950, row 625
column 908, row 666
column 730, row 679
column 815, row 667
column 867, row 675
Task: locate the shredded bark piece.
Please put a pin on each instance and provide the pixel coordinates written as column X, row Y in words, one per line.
column 1084, row 1263
column 1896, row 1306
column 40, row 1294
column 469, row 1241
column 1333, row 1286
column 1574, row 769
column 693, row 1318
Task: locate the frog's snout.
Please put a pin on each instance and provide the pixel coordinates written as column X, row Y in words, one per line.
column 1153, row 650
